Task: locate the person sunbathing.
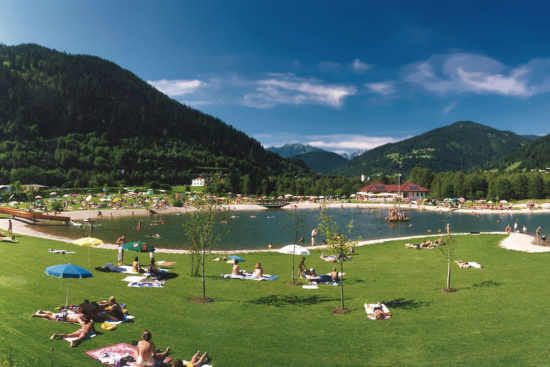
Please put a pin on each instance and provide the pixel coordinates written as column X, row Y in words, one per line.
column 113, row 310
column 146, row 352
column 236, row 270
column 136, row 267
column 334, row 275
column 87, row 328
column 153, row 270
column 72, row 317
column 378, row 312
column 462, row 264
column 258, row 271
column 196, row 361
column 311, row 273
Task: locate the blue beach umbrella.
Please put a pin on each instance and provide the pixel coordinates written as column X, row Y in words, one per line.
column 68, row 271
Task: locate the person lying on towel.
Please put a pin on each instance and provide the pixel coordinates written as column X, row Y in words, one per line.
column 87, row 328
column 379, row 313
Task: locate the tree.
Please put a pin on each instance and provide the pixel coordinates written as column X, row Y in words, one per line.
column 448, row 250
column 199, row 226
column 338, row 244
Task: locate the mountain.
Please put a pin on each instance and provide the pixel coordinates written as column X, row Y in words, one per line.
column 77, row 120
column 352, row 155
column 322, row 161
column 535, row 155
column 531, row 137
column 291, row 150
column 461, row 146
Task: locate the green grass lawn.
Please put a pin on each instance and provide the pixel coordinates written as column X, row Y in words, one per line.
column 499, row 316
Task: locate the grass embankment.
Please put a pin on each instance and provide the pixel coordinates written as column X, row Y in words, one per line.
column 498, row 316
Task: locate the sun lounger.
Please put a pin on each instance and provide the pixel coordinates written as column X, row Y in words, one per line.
column 369, row 309
column 249, row 276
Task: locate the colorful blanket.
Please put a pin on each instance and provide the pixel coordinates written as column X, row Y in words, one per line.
column 112, row 354
column 147, row 284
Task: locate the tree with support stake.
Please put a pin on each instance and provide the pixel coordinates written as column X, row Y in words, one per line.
column 200, row 229
column 337, row 244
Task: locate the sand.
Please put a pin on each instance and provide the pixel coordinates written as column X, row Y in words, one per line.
column 516, row 241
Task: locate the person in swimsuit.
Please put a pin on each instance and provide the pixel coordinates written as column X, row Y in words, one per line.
column 146, row 352
column 61, row 316
column 196, row 361
column 379, row 313
column 302, row 267
column 334, row 275
column 236, row 270
column 86, row 329
column 258, row 271
column 114, row 313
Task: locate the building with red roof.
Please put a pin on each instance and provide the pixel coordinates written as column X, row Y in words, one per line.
column 407, row 189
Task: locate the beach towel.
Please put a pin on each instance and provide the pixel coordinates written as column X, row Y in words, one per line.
column 147, row 284
column 112, row 354
column 473, row 264
column 334, row 258
column 310, row 286
column 62, row 252
column 369, row 309
column 126, row 269
column 111, row 325
column 249, row 276
column 133, row 278
column 166, row 263
column 89, row 336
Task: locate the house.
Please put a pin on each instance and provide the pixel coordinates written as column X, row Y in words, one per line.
column 407, row 189
column 198, row 182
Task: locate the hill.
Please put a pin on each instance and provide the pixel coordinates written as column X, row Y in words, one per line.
column 322, row 161
column 291, row 150
column 76, row 120
column 462, row 146
column 535, row 155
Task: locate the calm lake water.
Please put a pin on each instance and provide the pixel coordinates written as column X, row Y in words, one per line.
column 256, row 229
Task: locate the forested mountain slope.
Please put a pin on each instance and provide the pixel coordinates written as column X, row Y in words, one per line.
column 74, row 120
column 322, row 161
column 461, row 146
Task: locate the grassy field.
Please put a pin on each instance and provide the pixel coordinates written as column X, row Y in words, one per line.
column 499, row 316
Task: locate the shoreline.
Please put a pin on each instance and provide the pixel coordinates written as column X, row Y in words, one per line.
column 23, row 228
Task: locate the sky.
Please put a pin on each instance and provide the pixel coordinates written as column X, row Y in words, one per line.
column 340, row 75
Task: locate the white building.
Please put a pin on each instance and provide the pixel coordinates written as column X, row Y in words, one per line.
column 199, row 181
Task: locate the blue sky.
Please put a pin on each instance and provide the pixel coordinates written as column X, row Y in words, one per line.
column 340, row 75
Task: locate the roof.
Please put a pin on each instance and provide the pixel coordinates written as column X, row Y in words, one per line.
column 405, row 187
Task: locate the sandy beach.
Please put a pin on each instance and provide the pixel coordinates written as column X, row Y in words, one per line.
column 518, row 242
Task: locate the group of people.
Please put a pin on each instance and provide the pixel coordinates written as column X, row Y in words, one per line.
column 396, row 215
column 85, row 315
column 310, row 273
column 425, row 244
column 258, row 270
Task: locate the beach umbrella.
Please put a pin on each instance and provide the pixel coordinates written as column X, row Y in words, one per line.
column 138, row 246
column 53, row 193
column 294, row 250
column 89, row 197
column 88, row 242
column 68, row 271
column 38, row 197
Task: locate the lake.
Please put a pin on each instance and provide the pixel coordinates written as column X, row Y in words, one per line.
column 256, row 229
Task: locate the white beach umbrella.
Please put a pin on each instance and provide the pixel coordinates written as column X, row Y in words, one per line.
column 294, row 249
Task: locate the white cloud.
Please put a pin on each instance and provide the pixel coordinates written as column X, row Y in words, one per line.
column 338, row 143
column 450, row 107
column 383, row 88
column 290, row 89
column 359, row 67
column 467, row 73
column 177, row 87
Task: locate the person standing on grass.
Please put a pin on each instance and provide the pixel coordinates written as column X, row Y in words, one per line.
column 121, row 241
column 10, row 227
